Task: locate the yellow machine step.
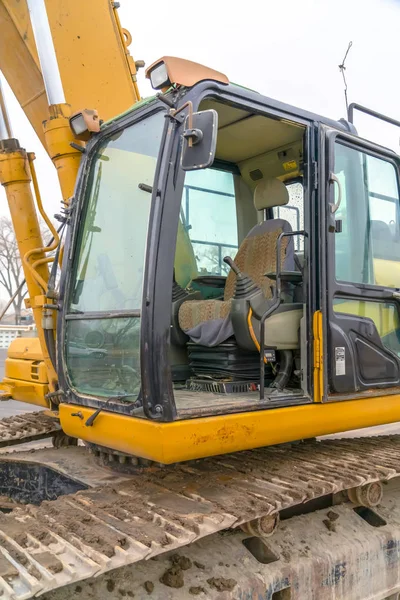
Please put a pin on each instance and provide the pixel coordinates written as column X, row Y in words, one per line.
column 123, row 519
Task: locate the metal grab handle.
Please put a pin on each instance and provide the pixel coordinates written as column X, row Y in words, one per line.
column 276, row 301
column 334, row 179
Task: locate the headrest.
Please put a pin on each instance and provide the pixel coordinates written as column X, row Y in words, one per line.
column 381, row 230
column 269, row 193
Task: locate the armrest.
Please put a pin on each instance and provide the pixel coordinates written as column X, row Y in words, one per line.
column 215, row 281
column 294, row 277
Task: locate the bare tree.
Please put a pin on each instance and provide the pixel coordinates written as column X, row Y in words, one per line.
column 3, row 304
column 11, row 272
column 212, row 258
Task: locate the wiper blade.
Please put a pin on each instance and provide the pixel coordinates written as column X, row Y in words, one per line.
column 94, row 416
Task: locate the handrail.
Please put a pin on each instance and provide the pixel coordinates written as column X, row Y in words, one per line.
column 277, row 300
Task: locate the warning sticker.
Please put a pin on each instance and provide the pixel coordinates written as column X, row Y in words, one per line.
column 340, row 360
column 290, row 165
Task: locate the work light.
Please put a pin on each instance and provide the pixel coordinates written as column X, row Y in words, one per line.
column 159, row 77
column 84, row 123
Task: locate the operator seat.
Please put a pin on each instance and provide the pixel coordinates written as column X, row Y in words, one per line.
column 208, row 322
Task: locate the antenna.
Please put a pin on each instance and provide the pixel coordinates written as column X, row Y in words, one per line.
column 342, row 70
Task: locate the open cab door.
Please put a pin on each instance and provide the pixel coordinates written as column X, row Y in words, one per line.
column 360, row 267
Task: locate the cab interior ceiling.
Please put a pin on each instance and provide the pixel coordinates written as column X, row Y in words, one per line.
column 256, row 143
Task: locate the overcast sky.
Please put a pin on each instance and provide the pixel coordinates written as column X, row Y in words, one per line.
column 289, row 50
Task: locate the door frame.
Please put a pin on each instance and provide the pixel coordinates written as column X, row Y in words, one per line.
column 328, row 284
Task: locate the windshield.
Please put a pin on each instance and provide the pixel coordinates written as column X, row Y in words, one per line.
column 103, row 320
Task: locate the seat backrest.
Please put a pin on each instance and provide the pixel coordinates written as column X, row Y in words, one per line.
column 380, row 231
column 257, row 253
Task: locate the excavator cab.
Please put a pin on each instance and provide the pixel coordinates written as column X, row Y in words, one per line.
column 213, row 275
column 231, row 241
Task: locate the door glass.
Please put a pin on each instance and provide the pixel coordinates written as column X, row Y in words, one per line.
column 109, row 271
column 384, row 314
column 208, row 223
column 102, row 354
column 367, row 249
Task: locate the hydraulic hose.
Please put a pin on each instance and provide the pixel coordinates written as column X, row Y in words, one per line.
column 51, row 346
column 285, row 369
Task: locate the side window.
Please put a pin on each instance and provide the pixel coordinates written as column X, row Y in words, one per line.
column 368, row 245
column 383, row 205
column 293, row 212
column 208, row 216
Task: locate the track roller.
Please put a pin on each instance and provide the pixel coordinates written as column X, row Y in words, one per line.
column 262, row 527
column 369, row 495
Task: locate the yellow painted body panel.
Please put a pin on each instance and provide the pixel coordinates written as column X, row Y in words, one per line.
column 66, row 159
column 95, row 67
column 27, row 370
column 197, row 438
column 26, row 391
column 318, row 357
column 26, row 348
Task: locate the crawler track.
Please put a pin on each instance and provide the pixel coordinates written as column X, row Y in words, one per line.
column 153, row 512
column 26, row 428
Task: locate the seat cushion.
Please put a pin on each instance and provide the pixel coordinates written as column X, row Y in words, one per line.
column 193, row 312
column 256, row 256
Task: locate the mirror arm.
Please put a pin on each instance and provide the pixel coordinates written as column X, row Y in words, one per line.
column 194, row 136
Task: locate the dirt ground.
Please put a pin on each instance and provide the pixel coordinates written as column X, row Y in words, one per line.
column 157, row 579
column 115, row 585
column 142, row 580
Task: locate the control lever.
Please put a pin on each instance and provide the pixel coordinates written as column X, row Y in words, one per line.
column 231, row 263
column 245, row 286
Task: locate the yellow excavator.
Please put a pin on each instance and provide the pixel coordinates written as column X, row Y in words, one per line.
column 229, row 291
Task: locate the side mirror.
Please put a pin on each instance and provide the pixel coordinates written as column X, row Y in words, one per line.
column 199, row 140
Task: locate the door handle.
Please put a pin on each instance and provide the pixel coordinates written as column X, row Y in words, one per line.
column 334, row 179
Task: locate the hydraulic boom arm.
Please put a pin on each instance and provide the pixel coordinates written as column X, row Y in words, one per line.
column 96, row 68
column 58, row 57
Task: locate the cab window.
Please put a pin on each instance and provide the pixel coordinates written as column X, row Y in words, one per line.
column 208, row 219
column 293, row 212
column 367, row 243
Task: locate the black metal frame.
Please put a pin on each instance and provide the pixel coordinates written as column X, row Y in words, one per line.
column 372, row 113
column 330, row 286
column 72, row 238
